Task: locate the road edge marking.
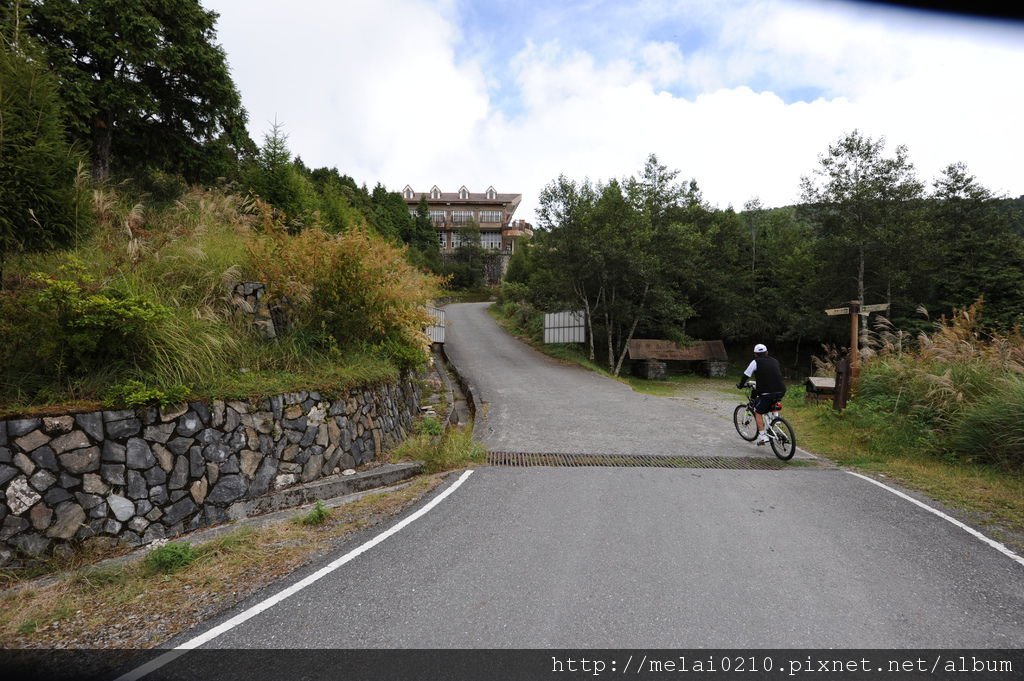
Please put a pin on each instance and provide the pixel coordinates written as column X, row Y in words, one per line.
column 966, row 528
column 251, row 612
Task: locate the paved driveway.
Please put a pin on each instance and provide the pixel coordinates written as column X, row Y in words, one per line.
column 644, row 557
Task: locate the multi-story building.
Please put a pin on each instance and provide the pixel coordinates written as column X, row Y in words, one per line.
column 451, row 212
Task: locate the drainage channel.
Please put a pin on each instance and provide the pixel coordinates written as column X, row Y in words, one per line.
column 524, row 459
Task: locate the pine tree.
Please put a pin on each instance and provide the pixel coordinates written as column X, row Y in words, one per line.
column 39, row 205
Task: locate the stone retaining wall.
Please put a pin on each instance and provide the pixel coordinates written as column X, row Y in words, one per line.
column 140, row 475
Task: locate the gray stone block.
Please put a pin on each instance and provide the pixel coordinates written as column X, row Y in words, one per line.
column 178, row 495
column 32, row 441
column 21, row 427
column 155, row 476
column 114, row 452
column 231, row 420
column 112, row 527
column 123, row 509
column 158, row 495
column 202, row 410
column 179, row 476
column 180, row 445
column 42, row 480
column 7, row 473
column 119, row 415
column 3, row 433
column 88, row 501
column 178, row 511
column 154, row 532
column 81, row 460
column 309, row 437
column 142, row 507
column 209, row 436
column 124, row 429
column 139, row 455
column 69, row 481
column 230, row 466
column 227, row 489
column 216, row 453
column 69, row 517
column 91, row 423
column 31, row 544
column 136, row 485
column 196, row 462
column 44, row 457
column 161, row 433
column 189, row 425
column 113, row 473
column 99, row 511
column 55, row 495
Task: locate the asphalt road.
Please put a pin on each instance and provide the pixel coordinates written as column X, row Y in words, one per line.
column 634, row 557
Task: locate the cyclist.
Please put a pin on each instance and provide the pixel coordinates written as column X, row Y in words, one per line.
column 770, row 386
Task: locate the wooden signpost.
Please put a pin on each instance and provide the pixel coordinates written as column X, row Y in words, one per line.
column 855, row 311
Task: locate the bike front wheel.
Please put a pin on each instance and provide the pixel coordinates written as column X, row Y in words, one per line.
column 746, row 424
column 782, row 438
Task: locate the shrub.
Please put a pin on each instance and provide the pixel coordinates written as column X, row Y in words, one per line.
column 134, row 393
column 355, row 287
column 170, row 558
column 992, row 430
column 317, row 515
column 96, row 325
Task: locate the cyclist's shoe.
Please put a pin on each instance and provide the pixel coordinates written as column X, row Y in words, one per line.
column 762, row 439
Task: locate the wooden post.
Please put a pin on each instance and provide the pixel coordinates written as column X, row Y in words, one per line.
column 854, row 342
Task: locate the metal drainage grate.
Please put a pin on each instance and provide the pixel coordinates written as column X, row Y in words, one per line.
column 523, row 459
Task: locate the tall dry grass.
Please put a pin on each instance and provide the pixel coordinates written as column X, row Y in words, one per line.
column 961, row 383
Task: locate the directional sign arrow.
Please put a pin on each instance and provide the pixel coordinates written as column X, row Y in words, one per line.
column 835, row 311
column 875, row 308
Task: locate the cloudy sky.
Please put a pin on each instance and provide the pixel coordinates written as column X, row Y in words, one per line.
column 742, row 95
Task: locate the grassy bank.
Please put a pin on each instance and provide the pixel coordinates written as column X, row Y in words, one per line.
column 141, row 310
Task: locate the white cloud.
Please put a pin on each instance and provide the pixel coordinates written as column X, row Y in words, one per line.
column 383, row 95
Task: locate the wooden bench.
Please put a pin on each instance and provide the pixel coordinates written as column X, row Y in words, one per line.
column 820, row 389
column 650, row 356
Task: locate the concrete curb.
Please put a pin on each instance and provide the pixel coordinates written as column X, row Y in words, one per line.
column 326, row 488
column 472, row 400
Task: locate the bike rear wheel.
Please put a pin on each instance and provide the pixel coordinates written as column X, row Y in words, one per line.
column 746, row 424
column 783, row 439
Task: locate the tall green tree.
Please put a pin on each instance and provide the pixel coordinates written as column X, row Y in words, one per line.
column 145, row 82
column 40, row 205
column 980, row 255
column 863, row 203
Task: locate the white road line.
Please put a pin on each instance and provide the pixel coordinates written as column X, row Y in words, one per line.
column 174, row 653
column 970, row 530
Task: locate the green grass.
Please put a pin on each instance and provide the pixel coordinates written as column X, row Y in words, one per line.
column 317, row 515
column 455, row 449
column 170, row 558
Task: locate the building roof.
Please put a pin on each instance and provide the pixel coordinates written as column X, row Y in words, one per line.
column 471, row 197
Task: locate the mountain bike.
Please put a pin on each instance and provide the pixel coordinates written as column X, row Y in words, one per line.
column 780, row 434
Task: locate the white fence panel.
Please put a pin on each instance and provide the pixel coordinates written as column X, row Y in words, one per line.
column 436, row 330
column 565, row 327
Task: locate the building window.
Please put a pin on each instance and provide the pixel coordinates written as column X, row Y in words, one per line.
column 407, row 192
column 440, row 239
column 435, row 193
column 463, row 193
column 491, row 240
column 437, row 215
column 490, row 216
column 461, row 217
column 491, row 194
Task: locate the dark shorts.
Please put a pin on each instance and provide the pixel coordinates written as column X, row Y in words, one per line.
column 766, row 401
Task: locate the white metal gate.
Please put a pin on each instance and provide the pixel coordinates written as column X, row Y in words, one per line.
column 436, row 330
column 565, row 327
